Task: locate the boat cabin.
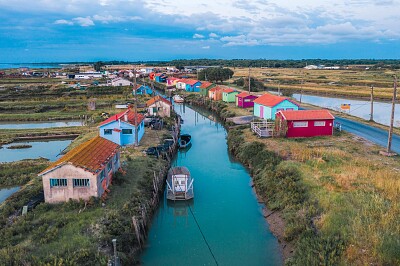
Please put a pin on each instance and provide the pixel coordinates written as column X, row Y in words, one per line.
column 179, row 184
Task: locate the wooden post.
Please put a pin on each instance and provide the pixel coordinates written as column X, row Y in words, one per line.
column 389, row 146
column 371, row 118
column 137, row 231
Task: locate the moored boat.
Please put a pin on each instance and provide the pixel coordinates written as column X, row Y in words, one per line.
column 179, row 184
column 178, row 99
column 185, row 140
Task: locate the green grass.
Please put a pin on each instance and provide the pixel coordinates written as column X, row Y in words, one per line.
column 73, row 233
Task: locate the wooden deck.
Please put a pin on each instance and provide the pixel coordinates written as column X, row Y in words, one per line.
column 263, row 129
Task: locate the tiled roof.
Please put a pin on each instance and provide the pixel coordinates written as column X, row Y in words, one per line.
column 242, row 94
column 131, row 118
column 191, row 82
column 228, row 90
column 156, row 99
column 91, row 155
column 205, row 84
column 271, row 100
column 217, row 88
column 292, row 115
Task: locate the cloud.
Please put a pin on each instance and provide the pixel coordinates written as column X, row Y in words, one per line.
column 63, row 22
column 198, row 36
column 206, row 47
column 84, row 22
column 213, row 35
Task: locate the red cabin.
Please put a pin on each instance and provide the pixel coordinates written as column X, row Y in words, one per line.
column 305, row 123
column 245, row 100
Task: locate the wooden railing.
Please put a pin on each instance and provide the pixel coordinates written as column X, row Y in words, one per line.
column 263, row 129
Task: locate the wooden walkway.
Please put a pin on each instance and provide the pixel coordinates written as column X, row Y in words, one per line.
column 263, row 129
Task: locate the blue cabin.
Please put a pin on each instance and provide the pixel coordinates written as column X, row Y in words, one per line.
column 160, row 77
column 120, row 128
column 267, row 105
column 142, row 90
column 192, row 85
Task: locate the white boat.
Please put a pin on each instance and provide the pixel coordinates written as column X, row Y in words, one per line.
column 179, row 184
column 178, row 99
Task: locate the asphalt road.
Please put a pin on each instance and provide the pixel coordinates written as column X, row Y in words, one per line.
column 373, row 134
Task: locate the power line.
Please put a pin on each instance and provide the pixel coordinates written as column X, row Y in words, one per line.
column 204, row 237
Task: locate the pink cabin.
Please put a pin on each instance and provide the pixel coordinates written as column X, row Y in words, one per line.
column 245, row 100
column 305, row 123
column 171, row 81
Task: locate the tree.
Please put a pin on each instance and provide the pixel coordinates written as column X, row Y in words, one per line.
column 97, row 66
column 215, row 74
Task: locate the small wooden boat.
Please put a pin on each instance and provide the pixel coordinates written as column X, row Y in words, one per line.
column 185, row 140
column 179, row 184
column 178, row 99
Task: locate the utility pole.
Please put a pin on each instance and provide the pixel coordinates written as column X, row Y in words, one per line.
column 279, row 88
column 389, row 147
column 136, row 127
column 372, row 104
column 249, row 80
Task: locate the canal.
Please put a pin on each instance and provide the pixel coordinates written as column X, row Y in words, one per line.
column 224, row 224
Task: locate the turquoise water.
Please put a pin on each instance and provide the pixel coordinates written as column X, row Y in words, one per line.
column 46, row 149
column 224, row 205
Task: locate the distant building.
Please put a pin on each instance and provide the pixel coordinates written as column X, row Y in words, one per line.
column 205, row 87
column 120, row 82
column 142, row 90
column 120, row 128
column 245, row 100
column 267, row 105
column 311, row 67
column 160, row 77
column 88, row 75
column 229, row 95
column 83, row 172
column 159, row 106
column 215, row 93
column 305, row 123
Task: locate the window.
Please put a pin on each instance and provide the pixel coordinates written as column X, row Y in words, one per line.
column 116, row 159
column 107, row 131
column 289, row 109
column 109, row 166
column 81, row 182
column 58, row 182
column 279, row 109
column 127, row 131
column 247, row 100
column 319, row 123
column 300, row 124
column 102, row 175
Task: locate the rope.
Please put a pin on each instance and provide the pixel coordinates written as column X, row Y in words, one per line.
column 198, row 226
column 204, row 237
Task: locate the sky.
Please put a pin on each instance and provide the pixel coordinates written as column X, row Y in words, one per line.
column 132, row 30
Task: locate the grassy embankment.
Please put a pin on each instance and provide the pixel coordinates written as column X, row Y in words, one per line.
column 352, row 83
column 72, row 233
column 339, row 199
